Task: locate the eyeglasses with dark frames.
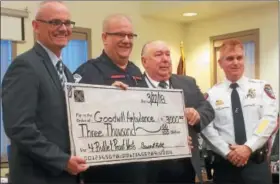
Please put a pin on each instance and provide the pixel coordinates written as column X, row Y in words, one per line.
column 123, row 35
column 56, row 23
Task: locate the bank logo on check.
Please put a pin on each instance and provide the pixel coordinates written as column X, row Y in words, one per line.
column 79, row 96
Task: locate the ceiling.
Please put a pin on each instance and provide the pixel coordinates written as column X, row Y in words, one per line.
column 173, row 10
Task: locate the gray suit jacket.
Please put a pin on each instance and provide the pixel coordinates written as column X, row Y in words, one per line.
column 195, row 99
column 35, row 120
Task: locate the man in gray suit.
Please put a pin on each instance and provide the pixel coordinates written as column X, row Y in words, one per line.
column 158, row 74
column 34, row 107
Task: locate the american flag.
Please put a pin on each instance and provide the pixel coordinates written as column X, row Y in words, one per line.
column 181, row 69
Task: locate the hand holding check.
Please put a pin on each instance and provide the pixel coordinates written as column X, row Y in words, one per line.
column 192, row 116
column 76, row 165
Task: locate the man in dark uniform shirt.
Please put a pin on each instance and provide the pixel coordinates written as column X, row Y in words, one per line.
column 109, row 68
column 104, row 71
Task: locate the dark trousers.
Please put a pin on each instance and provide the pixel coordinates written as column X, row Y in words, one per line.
column 251, row 173
column 132, row 173
column 171, row 171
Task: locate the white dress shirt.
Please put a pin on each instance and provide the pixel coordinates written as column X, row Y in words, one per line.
column 53, row 57
column 154, row 84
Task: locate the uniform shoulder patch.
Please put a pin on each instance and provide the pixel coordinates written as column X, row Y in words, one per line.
column 206, row 95
column 254, row 81
column 268, row 90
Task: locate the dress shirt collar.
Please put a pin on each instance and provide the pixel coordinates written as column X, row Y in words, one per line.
column 152, row 83
column 241, row 83
column 52, row 56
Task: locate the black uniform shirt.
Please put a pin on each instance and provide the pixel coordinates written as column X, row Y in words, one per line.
column 103, row 71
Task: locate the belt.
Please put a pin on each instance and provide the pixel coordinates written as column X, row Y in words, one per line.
column 258, row 157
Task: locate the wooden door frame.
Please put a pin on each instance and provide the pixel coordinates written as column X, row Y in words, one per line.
column 248, row 35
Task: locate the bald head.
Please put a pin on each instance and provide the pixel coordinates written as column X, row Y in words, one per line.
column 151, row 45
column 156, row 60
column 118, row 38
column 46, row 8
column 113, row 20
column 52, row 25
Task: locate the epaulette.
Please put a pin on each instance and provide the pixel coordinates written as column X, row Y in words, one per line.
column 255, row 81
column 95, row 60
column 217, row 84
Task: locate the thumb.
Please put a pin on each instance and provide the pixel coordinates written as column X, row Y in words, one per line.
column 80, row 160
column 187, row 110
column 123, row 86
column 82, row 167
column 233, row 147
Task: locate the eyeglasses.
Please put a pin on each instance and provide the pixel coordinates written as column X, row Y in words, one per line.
column 56, row 23
column 123, row 35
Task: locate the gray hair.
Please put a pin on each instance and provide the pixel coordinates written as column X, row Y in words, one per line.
column 146, row 45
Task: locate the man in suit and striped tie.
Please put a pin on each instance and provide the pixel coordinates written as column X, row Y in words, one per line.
column 34, row 107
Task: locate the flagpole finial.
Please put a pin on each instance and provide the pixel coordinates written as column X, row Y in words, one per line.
column 181, row 44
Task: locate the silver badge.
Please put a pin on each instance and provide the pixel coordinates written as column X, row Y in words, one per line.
column 77, row 77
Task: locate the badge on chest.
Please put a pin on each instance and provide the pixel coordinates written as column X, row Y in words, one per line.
column 251, row 93
column 219, row 102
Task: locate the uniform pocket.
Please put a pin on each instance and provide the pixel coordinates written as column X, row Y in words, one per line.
column 223, row 114
column 251, row 110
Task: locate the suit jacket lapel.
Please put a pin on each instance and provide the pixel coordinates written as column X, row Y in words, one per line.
column 68, row 74
column 48, row 64
column 177, row 84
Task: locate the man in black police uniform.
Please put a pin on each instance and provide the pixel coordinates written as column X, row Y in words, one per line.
column 110, row 68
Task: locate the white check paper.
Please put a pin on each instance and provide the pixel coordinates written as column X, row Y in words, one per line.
column 108, row 125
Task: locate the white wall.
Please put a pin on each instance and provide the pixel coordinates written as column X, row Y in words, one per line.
column 198, row 44
column 90, row 14
column 195, row 36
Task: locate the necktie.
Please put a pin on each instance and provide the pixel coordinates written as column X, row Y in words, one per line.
column 163, row 84
column 238, row 119
column 59, row 68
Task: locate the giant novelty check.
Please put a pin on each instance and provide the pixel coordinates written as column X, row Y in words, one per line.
column 108, row 125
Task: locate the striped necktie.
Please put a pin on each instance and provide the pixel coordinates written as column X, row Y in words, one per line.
column 163, row 84
column 60, row 68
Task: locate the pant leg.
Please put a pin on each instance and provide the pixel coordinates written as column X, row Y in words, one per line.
column 139, row 174
column 225, row 172
column 172, row 171
column 188, row 174
column 254, row 173
column 153, row 169
column 132, row 173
